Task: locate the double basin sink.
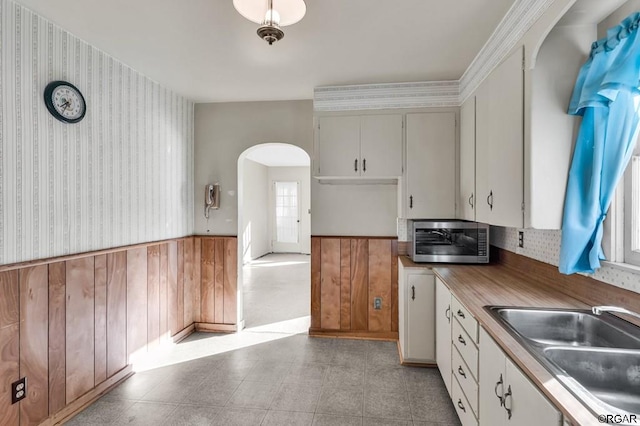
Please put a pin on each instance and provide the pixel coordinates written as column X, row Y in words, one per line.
column 597, row 357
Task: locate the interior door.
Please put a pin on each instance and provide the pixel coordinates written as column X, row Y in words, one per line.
column 286, row 238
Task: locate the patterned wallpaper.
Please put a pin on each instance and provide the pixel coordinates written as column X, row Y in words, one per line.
column 544, row 245
column 123, row 175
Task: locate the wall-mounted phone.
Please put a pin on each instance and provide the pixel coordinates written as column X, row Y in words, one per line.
column 211, row 198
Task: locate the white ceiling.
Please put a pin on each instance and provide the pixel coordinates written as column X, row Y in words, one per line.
column 206, row 51
column 279, row 155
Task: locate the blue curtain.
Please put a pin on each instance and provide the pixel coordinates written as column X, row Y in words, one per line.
column 606, row 95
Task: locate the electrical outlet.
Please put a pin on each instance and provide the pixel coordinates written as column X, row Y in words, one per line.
column 377, row 303
column 18, row 390
column 520, row 238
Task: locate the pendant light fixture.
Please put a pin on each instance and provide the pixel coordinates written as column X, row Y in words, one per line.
column 271, row 15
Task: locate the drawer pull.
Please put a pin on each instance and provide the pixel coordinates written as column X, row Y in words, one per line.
column 495, row 390
column 461, row 340
column 510, row 396
column 461, row 372
column 413, row 292
column 461, row 314
column 446, row 313
column 461, row 406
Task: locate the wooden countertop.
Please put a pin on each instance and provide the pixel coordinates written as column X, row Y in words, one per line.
column 479, row 285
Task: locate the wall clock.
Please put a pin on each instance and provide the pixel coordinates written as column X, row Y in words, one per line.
column 65, row 101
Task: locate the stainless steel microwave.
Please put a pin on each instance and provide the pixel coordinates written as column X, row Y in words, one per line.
column 448, row 241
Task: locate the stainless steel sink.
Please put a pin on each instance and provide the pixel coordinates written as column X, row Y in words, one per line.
column 597, row 357
column 573, row 328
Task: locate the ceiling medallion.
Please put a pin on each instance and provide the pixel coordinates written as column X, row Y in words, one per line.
column 271, row 15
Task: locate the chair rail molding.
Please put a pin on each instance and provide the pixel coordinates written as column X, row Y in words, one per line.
column 517, row 21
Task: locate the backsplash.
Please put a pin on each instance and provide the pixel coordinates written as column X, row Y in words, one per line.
column 121, row 176
column 544, row 245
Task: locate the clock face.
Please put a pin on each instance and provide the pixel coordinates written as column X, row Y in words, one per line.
column 64, row 101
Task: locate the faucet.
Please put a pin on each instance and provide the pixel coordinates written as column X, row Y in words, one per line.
column 598, row 310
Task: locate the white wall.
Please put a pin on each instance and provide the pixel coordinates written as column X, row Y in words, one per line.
column 303, row 176
column 255, row 227
column 618, row 15
column 223, row 131
column 123, row 175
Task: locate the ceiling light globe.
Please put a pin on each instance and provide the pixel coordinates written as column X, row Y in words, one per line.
column 272, row 17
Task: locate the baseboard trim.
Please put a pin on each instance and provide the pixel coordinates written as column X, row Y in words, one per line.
column 414, row 364
column 88, row 398
column 215, row 328
column 355, row 334
column 181, row 335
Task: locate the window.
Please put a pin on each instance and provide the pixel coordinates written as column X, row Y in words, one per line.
column 632, row 210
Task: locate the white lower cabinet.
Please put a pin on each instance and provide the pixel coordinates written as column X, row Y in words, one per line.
column 417, row 314
column 507, row 397
column 443, row 332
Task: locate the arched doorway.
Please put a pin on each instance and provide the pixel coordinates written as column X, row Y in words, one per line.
column 274, row 236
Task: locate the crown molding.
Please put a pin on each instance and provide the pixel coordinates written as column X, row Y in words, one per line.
column 520, row 17
column 386, row 96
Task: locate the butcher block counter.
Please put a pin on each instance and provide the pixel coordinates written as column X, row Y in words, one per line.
column 514, row 280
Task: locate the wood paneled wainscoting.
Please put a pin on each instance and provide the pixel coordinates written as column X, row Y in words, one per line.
column 73, row 325
column 347, row 275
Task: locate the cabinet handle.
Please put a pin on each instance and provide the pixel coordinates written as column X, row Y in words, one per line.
column 413, row 292
column 471, row 200
column 460, row 314
column 446, row 313
column 461, row 405
column 355, row 165
column 495, row 390
column 461, row 372
column 504, row 402
column 461, row 340
column 364, row 165
column 410, row 201
column 490, row 200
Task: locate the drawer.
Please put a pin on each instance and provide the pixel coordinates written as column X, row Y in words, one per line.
column 462, row 405
column 465, row 379
column 468, row 350
column 467, row 320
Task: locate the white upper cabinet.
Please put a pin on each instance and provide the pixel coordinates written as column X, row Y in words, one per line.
column 467, row 200
column 500, row 145
column 430, row 180
column 360, row 146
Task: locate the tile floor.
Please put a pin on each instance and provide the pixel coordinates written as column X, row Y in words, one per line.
column 272, row 373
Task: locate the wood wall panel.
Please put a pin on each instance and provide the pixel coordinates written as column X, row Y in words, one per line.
column 207, row 299
column 153, row 297
column 80, row 328
column 316, row 295
column 175, row 325
column 197, row 278
column 394, row 285
column 34, row 349
column 330, row 284
column 189, row 283
column 164, row 290
column 230, row 280
column 136, row 291
column 9, row 345
column 218, row 281
column 359, row 284
column 57, row 337
column 100, row 307
column 116, row 312
column 345, row 284
column 180, row 286
column 380, row 284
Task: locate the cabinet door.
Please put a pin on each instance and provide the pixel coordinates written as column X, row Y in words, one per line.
column 421, row 330
column 339, row 146
column 431, row 181
column 467, row 198
column 492, row 382
column 529, row 407
column 483, row 186
column 381, row 145
column 443, row 332
column 506, row 152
